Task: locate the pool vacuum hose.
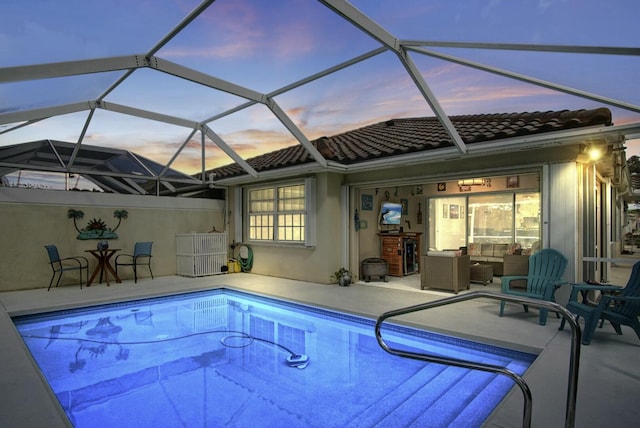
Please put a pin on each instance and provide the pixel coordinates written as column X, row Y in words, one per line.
column 299, row 361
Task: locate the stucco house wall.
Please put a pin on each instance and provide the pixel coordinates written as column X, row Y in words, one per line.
column 32, row 218
column 315, row 263
column 559, row 185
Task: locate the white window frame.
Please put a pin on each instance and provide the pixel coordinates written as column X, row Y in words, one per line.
column 308, row 213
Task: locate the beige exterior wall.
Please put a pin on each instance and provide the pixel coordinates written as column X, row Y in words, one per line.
column 316, row 263
column 33, row 218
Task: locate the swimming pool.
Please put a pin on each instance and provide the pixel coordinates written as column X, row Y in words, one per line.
column 226, row 358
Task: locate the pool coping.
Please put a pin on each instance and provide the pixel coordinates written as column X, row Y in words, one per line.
column 609, row 372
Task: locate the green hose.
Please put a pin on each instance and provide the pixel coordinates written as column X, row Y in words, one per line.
column 246, row 264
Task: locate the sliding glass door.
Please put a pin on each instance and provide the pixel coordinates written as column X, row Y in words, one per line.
column 447, row 225
column 496, row 218
column 491, row 218
column 527, row 217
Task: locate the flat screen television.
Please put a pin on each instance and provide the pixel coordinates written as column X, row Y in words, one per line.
column 390, row 213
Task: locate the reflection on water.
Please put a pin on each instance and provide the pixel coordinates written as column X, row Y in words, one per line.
column 221, row 358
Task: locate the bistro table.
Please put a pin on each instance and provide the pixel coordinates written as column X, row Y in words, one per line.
column 104, row 265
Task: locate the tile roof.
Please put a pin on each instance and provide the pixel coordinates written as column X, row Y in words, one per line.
column 410, row 135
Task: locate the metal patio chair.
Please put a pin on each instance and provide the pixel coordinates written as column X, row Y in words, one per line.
column 60, row 265
column 141, row 256
column 546, row 268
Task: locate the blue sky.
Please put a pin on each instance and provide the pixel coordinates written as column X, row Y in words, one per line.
column 265, row 45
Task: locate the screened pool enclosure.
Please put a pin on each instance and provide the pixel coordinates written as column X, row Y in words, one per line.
column 194, row 85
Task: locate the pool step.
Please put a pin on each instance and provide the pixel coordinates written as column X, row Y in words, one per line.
column 378, row 411
column 489, row 397
column 452, row 402
column 438, row 396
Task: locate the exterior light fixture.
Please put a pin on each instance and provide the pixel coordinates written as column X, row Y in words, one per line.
column 465, row 184
column 594, row 152
column 591, row 153
column 475, row 182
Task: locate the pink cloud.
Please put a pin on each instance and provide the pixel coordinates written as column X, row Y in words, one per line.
column 237, row 30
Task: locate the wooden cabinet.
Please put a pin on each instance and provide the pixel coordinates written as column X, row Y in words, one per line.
column 401, row 251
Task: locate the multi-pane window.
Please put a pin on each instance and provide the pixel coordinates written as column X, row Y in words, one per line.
column 261, row 210
column 277, row 213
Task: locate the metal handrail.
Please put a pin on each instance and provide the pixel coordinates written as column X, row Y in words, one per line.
column 576, row 337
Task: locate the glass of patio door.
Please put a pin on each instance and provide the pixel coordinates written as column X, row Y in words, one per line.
column 491, row 218
column 447, row 223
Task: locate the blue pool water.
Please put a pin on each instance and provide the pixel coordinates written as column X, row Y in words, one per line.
column 224, row 358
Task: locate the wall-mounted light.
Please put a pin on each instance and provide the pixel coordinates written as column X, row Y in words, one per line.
column 590, row 153
column 475, row 182
column 594, row 153
column 465, row 185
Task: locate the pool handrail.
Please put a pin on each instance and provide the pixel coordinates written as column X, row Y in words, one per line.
column 574, row 358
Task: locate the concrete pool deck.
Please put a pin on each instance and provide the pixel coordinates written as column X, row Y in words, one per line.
column 609, row 371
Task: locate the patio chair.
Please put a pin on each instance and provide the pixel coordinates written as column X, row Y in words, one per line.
column 546, row 268
column 141, row 256
column 60, row 265
column 618, row 305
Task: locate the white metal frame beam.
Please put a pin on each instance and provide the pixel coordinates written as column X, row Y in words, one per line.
column 529, row 79
column 373, row 29
column 403, row 49
column 205, row 79
column 76, row 149
column 177, row 153
column 71, row 68
column 288, row 123
column 595, row 50
column 146, row 114
column 228, row 150
column 46, row 112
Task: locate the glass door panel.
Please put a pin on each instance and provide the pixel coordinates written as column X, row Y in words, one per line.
column 447, row 225
column 527, row 219
column 491, row 219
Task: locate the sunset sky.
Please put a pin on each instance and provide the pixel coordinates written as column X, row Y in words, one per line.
column 266, row 45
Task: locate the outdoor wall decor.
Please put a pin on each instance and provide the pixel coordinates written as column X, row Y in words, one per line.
column 367, row 202
column 96, row 228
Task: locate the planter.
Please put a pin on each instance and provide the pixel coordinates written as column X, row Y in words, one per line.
column 344, row 280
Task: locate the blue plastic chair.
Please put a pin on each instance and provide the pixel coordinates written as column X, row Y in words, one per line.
column 546, row 269
column 61, row 265
column 618, row 305
column 141, row 256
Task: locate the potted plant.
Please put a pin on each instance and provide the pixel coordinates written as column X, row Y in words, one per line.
column 343, row 276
